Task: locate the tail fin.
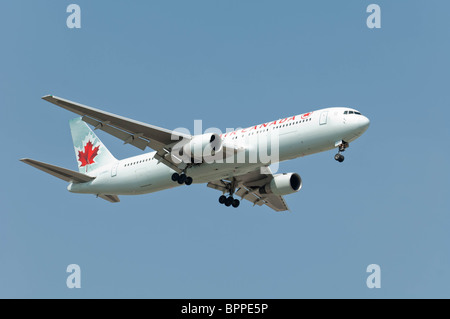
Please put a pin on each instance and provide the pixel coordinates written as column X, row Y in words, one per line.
column 89, row 150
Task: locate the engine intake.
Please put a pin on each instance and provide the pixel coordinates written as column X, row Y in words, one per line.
column 282, row 184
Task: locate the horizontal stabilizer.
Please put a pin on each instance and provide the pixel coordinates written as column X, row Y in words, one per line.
column 62, row 173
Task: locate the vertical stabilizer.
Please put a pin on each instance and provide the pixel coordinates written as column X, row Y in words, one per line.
column 90, row 152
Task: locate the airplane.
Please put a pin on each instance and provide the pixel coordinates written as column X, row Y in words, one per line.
column 177, row 158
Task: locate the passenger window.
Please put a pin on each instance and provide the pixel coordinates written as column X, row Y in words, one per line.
column 346, row 112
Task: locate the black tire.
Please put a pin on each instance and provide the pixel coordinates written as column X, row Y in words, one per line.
column 181, row 179
column 236, row 203
column 229, row 201
column 339, row 157
column 188, row 180
column 222, row 199
column 175, row 177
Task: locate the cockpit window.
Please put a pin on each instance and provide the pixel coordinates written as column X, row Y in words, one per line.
column 352, row 112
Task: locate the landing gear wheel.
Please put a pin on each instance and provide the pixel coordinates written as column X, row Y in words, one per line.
column 342, row 146
column 181, row 179
column 236, row 203
column 339, row 157
column 175, row 177
column 222, row 199
column 229, row 201
column 188, row 180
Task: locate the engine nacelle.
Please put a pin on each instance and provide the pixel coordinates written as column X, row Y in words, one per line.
column 283, row 184
column 202, row 146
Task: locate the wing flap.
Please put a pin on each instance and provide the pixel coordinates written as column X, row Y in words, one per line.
column 62, row 173
column 276, row 202
column 247, row 194
column 219, row 185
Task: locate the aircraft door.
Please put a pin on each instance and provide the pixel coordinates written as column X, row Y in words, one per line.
column 114, row 169
column 323, row 118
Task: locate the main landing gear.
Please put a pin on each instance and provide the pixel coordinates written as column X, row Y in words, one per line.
column 339, row 157
column 182, row 178
column 230, row 200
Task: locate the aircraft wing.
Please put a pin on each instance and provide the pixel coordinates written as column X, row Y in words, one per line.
column 248, row 188
column 132, row 132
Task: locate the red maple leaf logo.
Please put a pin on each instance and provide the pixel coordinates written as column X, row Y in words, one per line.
column 87, row 157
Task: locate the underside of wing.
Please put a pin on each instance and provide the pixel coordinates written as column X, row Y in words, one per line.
column 248, row 187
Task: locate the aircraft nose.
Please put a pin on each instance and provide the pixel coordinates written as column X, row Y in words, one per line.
column 364, row 122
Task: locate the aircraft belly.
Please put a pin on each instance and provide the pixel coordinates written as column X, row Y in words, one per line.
column 315, row 141
column 207, row 172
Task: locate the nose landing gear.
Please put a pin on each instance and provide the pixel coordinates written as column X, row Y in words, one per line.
column 339, row 157
column 342, row 146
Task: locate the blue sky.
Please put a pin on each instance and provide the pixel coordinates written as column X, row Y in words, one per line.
column 231, row 64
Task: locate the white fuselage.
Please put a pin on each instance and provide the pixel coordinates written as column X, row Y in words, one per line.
column 296, row 136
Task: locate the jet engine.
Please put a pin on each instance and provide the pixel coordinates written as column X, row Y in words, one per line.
column 282, row 184
column 201, row 146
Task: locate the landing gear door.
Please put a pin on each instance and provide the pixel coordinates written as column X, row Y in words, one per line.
column 323, row 118
column 114, row 169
